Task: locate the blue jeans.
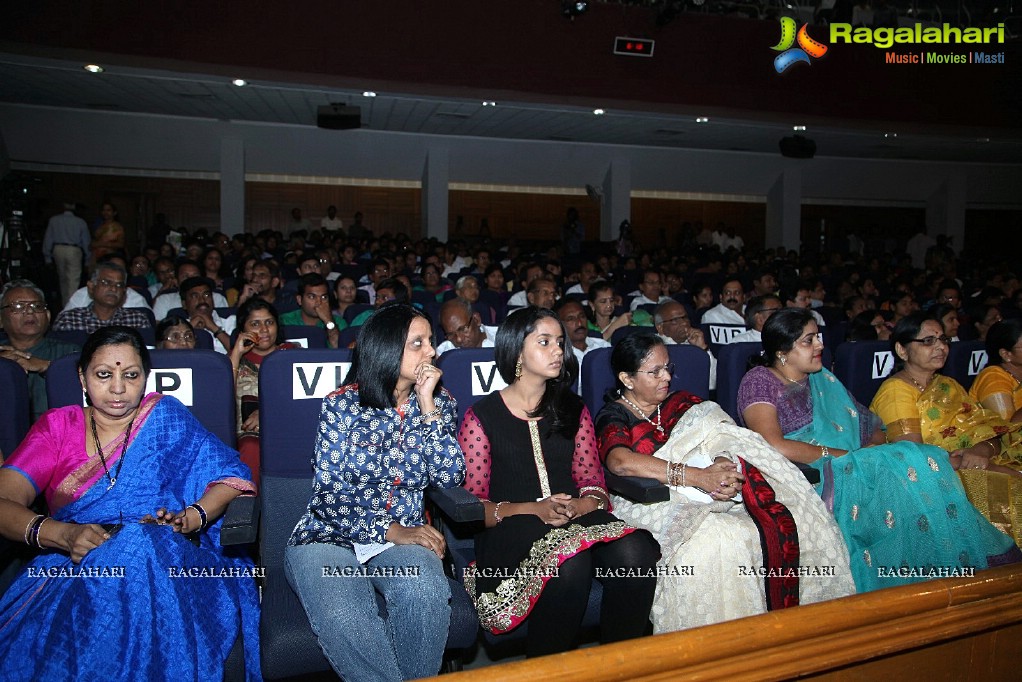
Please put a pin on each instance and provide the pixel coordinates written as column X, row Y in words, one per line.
column 342, row 610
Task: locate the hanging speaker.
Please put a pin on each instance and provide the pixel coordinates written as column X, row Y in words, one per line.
column 339, row 117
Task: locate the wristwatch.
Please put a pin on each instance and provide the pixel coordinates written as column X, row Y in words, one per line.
column 330, row 326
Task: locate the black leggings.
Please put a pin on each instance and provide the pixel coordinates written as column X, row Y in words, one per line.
column 627, row 599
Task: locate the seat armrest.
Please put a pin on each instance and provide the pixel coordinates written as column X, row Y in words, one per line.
column 241, row 521
column 637, row 489
column 457, row 504
column 812, row 475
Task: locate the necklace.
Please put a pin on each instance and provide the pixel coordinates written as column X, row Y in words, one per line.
column 99, row 448
column 789, row 379
column 658, row 424
column 922, row 389
column 1012, row 375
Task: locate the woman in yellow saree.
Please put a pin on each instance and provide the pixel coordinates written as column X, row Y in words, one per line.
column 918, row 404
column 999, row 386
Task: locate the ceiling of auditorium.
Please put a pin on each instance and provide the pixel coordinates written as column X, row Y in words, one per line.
column 198, row 93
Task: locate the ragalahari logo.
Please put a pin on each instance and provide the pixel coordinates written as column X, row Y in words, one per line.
column 807, row 47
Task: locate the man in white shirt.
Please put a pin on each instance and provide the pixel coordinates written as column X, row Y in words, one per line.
column 197, row 301
column 463, row 328
column 650, row 289
column 757, row 312
column 674, row 327
column 573, row 317
column 800, row 297
column 169, row 300
column 331, row 222
column 530, row 272
column 133, row 299
column 587, row 275
column 729, row 310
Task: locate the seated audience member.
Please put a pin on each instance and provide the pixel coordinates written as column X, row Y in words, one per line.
column 467, row 289
column 588, row 274
column 542, row 292
column 107, row 289
column 125, row 480
column 799, row 295
column 854, row 305
column 213, row 267
column 314, row 308
column 367, row 511
column 729, row 310
column 999, row 385
column 175, row 333
column 463, row 328
column 432, row 282
column 83, row 296
column 389, row 290
column 901, row 304
column 26, row 320
column 984, row 317
column 265, row 285
column 164, row 270
column 757, row 311
column 242, row 275
column 650, row 291
column 674, row 327
column 702, row 300
column 764, row 283
column 171, row 298
column 919, row 404
column 259, row 334
column 532, row 461
column 378, row 271
column 722, row 505
column 947, row 315
column 573, row 316
column 602, row 303
column 197, row 298
column 346, row 293
column 527, row 272
column 869, row 325
column 897, row 504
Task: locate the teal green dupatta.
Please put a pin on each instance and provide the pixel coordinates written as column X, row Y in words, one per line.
column 901, row 506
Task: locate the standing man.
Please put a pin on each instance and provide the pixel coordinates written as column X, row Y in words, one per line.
column 332, row 222
column 26, row 320
column 65, row 244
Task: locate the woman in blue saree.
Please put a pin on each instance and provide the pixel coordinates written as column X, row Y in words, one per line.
column 900, row 506
column 131, row 581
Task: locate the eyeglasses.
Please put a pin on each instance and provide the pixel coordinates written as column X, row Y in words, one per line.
column 675, row 320
column 931, row 340
column 110, row 283
column 323, row 261
column 180, row 337
column 25, row 307
column 463, row 330
column 658, row 372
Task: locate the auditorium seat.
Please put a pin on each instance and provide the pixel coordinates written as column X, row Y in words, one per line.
column 965, row 359
column 862, row 366
column 14, row 407
column 469, row 374
column 305, row 336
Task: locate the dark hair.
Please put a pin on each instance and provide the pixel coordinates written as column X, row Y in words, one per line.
column 114, row 335
column 253, row 304
column 491, row 268
column 906, row 330
column 193, row 282
column 559, row 401
column 755, row 305
column 1002, row 335
column 397, row 286
column 940, row 310
column 186, row 261
column 376, row 360
column 168, row 323
column 223, row 261
column 627, row 356
column 598, row 286
column 781, row 331
column 860, row 327
column 312, row 279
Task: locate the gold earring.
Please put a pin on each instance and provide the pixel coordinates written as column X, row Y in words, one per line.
column 518, row 369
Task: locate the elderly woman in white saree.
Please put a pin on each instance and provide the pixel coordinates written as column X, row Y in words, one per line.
column 743, row 532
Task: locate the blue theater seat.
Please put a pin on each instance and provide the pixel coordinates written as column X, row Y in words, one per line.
column 14, row 413
column 862, row 366
column 965, row 359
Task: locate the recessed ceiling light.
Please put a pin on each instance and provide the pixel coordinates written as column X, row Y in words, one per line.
column 489, row 103
column 93, row 68
column 703, row 119
column 599, row 112
column 890, row 136
column 368, row 93
column 240, row 82
column 798, row 129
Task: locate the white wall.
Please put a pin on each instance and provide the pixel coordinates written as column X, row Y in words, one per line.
column 134, row 141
